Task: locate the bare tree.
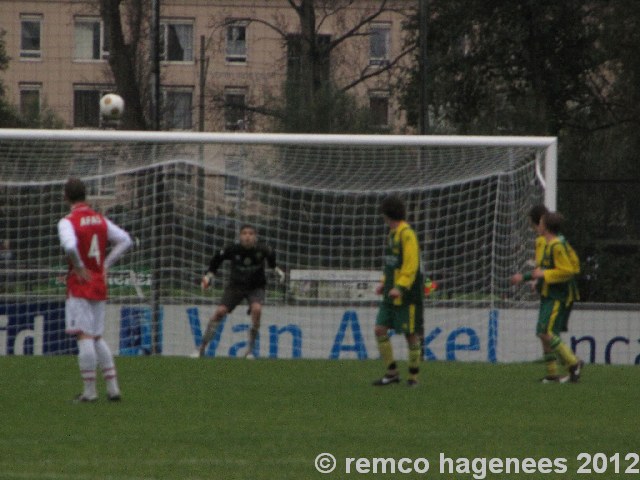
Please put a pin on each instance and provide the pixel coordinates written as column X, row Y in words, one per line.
column 318, row 89
column 321, row 70
column 127, row 55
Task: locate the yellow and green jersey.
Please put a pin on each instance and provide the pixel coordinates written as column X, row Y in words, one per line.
column 541, row 244
column 402, row 266
column 561, row 266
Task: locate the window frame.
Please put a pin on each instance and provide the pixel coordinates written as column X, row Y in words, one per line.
column 165, row 49
column 230, row 56
column 240, row 123
column 100, row 90
column 233, row 166
column 380, row 95
column 26, row 53
column 102, row 48
column 166, row 92
column 24, row 88
column 374, row 31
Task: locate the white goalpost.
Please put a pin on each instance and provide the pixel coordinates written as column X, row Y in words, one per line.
column 314, row 198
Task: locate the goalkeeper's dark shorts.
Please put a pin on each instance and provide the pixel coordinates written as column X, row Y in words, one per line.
column 407, row 319
column 234, row 294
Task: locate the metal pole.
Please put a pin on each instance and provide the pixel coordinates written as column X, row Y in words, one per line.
column 200, row 175
column 203, row 79
column 155, row 64
column 158, row 197
column 423, row 13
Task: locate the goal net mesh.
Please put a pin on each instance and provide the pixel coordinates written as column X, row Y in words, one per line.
column 316, row 203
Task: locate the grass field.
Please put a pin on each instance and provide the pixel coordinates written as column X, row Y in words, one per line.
column 187, row 419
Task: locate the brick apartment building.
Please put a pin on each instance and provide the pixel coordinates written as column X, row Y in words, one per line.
column 59, row 51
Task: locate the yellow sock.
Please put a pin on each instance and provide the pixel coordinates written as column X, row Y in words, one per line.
column 563, row 350
column 414, row 360
column 551, row 362
column 386, row 350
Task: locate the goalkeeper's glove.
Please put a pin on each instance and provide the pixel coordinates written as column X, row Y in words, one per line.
column 280, row 274
column 206, row 281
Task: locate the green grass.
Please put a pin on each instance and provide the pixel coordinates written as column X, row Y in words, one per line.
column 232, row 419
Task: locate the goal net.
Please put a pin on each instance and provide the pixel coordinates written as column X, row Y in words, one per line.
column 314, row 199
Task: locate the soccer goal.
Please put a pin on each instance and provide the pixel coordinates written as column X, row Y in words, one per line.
column 314, row 198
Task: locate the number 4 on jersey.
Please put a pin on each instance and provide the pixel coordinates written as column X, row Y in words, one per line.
column 94, row 249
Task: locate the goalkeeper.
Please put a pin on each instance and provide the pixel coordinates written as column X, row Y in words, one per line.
column 247, row 281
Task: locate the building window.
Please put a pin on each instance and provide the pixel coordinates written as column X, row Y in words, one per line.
column 176, row 41
column 236, row 44
column 379, row 40
column 86, row 105
column 234, row 109
column 379, row 108
column 91, row 39
column 30, row 31
column 30, row 101
column 97, row 169
column 233, row 170
column 178, row 109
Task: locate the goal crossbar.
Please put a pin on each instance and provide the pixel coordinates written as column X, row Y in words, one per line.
column 546, row 168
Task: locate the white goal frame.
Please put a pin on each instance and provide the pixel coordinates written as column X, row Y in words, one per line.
column 336, row 303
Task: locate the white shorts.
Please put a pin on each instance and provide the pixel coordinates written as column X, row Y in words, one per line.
column 84, row 316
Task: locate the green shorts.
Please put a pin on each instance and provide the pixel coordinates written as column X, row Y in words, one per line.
column 407, row 319
column 553, row 316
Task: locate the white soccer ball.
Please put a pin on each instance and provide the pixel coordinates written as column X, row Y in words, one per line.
column 111, row 106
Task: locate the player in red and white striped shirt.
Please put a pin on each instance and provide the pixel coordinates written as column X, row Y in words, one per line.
column 84, row 235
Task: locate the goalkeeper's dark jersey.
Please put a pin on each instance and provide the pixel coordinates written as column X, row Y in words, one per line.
column 247, row 264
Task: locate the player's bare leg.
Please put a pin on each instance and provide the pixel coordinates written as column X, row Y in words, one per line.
column 212, row 326
column 255, row 311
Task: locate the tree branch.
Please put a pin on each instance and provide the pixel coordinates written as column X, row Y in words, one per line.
column 369, row 72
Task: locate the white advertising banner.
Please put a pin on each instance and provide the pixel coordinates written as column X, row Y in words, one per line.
column 324, row 332
column 481, row 335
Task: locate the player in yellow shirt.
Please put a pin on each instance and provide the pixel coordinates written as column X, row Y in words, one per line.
column 535, row 215
column 556, row 274
column 549, row 356
column 402, row 293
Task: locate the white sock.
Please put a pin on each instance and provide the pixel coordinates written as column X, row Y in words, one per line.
column 87, row 362
column 105, row 360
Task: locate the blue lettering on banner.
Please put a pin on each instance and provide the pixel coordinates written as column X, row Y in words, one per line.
column 34, row 329
column 242, row 345
column 296, row 343
column 453, row 347
column 473, row 344
column 349, row 319
column 592, row 346
column 136, row 331
column 492, row 337
column 428, row 353
column 196, row 332
column 609, row 347
column 238, row 348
